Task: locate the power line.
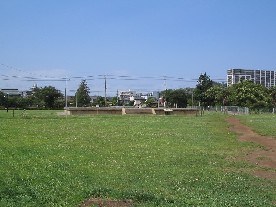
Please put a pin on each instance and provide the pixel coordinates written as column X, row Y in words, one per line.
column 13, row 75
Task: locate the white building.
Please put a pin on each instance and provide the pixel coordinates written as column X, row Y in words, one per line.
column 267, row 78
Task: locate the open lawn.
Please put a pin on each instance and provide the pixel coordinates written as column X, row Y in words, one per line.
column 263, row 124
column 50, row 160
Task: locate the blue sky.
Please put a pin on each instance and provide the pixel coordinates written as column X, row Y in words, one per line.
column 172, row 42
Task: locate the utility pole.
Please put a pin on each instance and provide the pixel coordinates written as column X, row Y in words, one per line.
column 117, row 97
column 76, row 99
column 105, row 77
column 7, row 102
column 105, row 90
column 65, row 93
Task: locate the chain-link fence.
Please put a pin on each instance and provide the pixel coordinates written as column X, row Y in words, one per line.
column 240, row 110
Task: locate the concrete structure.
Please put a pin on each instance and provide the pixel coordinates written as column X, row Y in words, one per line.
column 267, row 78
column 129, row 111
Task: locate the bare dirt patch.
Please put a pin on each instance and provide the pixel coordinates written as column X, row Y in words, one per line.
column 265, row 156
column 99, row 202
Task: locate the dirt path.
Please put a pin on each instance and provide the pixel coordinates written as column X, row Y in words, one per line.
column 265, row 156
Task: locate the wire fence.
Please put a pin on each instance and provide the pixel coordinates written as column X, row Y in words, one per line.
column 224, row 109
column 240, row 110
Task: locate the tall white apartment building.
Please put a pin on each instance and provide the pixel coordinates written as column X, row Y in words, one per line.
column 266, row 78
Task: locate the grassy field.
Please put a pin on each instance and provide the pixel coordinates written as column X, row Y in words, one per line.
column 50, row 160
column 263, row 124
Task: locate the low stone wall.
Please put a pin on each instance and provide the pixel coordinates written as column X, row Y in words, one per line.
column 93, row 111
column 138, row 111
column 130, row 111
column 176, row 111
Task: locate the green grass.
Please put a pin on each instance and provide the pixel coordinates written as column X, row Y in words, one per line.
column 48, row 160
column 263, row 124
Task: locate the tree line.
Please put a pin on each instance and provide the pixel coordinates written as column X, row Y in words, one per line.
column 243, row 94
column 206, row 93
column 209, row 93
column 47, row 97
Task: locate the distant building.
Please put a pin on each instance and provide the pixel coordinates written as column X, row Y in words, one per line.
column 12, row 92
column 138, row 99
column 267, row 78
column 125, row 97
column 15, row 92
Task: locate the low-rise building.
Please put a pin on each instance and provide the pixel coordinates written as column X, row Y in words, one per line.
column 138, row 99
column 12, row 92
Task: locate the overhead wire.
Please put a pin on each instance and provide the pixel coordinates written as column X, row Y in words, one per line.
column 17, row 74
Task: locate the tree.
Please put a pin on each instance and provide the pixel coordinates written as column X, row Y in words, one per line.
column 272, row 93
column 218, row 95
column 114, row 101
column 22, row 102
column 47, row 97
column 203, row 84
column 82, row 95
column 175, row 97
column 2, row 99
column 100, row 101
column 13, row 101
column 190, row 96
column 251, row 95
column 150, row 102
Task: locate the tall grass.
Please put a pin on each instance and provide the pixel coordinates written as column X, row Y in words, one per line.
column 48, row 160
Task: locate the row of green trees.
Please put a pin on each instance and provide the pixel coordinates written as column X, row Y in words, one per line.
column 210, row 93
column 206, row 93
column 244, row 94
column 47, row 97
